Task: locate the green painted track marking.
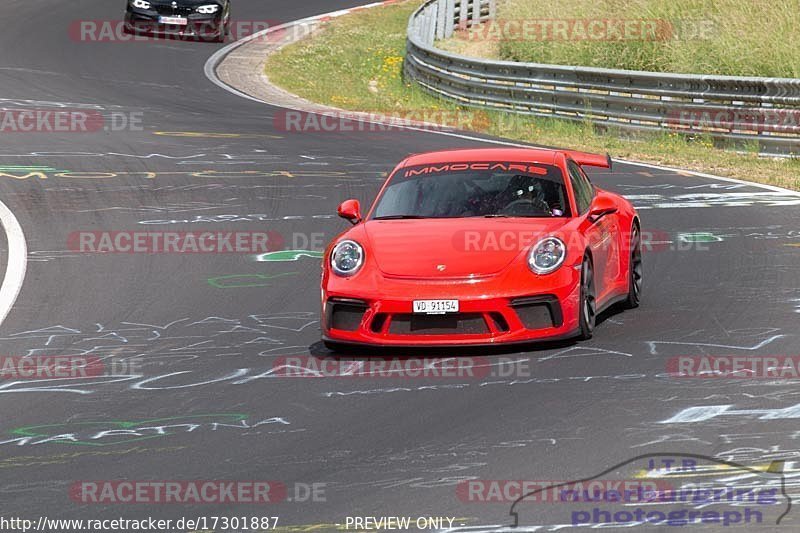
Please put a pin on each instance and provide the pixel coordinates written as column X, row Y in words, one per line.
column 287, row 255
column 702, row 236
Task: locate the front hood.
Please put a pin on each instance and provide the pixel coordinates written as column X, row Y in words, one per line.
column 454, row 247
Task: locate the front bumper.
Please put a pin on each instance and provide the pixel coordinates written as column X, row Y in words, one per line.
column 146, row 22
column 537, row 308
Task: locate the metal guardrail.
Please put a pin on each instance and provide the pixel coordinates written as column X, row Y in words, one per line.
column 738, row 112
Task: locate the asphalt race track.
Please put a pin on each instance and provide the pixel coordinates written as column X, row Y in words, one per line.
column 202, row 332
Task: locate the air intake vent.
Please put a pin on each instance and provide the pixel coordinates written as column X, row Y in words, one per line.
column 538, row 312
column 453, row 324
column 345, row 315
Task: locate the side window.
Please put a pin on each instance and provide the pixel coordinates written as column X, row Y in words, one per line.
column 581, row 187
column 585, row 178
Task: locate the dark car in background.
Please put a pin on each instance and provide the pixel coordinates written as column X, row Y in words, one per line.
column 206, row 20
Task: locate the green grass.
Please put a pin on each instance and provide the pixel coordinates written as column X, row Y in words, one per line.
column 355, row 63
column 730, row 37
column 336, row 66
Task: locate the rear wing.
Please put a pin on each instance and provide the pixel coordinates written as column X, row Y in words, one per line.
column 589, row 160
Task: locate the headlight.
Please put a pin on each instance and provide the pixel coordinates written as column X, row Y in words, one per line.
column 141, row 4
column 547, row 255
column 347, row 258
column 208, row 10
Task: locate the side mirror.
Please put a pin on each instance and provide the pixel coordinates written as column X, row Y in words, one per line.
column 351, row 210
column 602, row 205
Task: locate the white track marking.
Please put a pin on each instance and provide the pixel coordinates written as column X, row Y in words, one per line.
column 712, row 176
column 217, row 57
column 17, row 261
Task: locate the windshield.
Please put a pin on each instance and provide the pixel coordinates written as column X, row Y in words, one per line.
column 459, row 190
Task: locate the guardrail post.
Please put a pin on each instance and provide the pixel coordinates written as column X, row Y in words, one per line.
column 424, row 20
column 462, row 14
column 430, row 25
column 440, row 19
column 476, row 12
column 492, row 9
column 450, row 18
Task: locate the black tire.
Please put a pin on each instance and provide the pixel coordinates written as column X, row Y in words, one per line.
column 588, row 300
column 226, row 30
column 635, row 270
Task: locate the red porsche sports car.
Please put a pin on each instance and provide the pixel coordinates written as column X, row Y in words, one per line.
column 481, row 246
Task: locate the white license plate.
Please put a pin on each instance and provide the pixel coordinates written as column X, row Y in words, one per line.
column 435, row 307
column 174, row 21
